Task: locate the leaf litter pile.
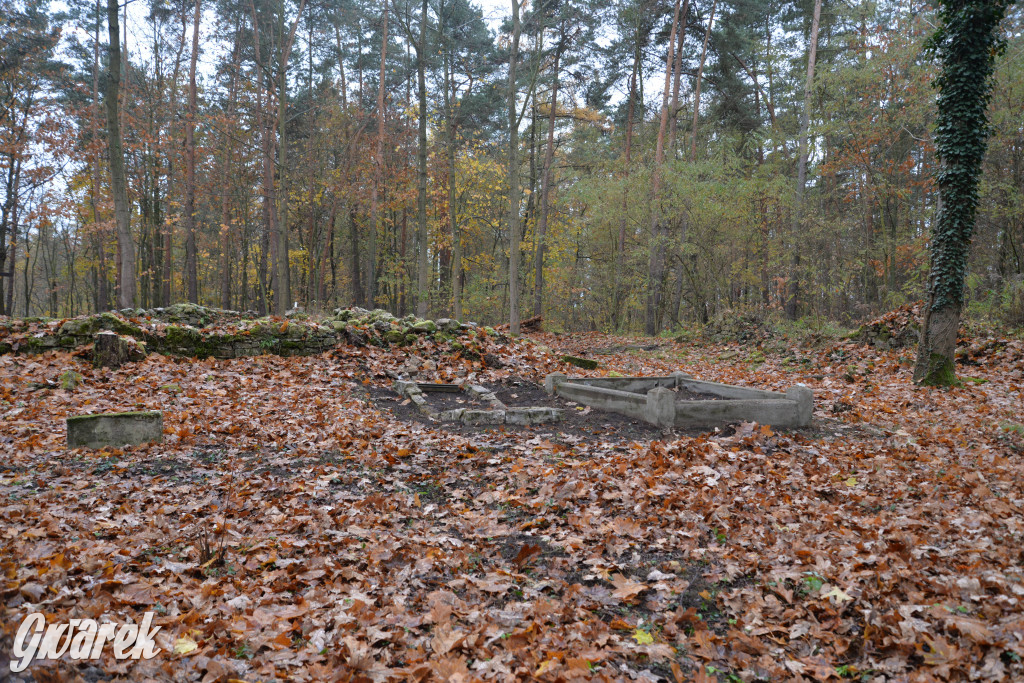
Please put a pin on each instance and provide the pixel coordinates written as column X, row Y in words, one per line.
column 289, row 527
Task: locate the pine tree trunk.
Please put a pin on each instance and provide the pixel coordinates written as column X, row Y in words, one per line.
column 699, row 79
column 793, row 303
column 191, row 255
column 126, row 246
column 378, row 168
column 283, row 297
column 620, row 252
column 268, row 251
column 102, row 293
column 422, row 267
column 545, row 191
column 513, row 178
column 453, row 227
column 168, row 229
column 227, row 232
column 358, row 295
column 677, row 78
column 656, row 262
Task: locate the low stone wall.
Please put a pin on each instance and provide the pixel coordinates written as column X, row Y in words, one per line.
column 282, row 339
column 196, row 331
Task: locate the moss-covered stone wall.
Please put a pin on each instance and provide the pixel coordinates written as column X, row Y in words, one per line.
column 189, row 330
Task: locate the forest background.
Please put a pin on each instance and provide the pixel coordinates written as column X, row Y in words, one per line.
column 637, row 164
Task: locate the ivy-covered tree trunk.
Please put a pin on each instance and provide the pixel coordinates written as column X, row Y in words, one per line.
column 966, row 44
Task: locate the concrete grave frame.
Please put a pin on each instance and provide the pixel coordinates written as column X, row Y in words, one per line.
column 652, row 400
column 497, row 415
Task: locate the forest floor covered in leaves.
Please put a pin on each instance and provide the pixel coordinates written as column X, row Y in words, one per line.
column 296, row 525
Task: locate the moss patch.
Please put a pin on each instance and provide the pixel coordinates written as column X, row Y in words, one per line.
column 941, row 372
column 585, row 363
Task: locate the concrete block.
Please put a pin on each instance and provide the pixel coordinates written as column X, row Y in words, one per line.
column 532, row 416
column 553, row 380
column 405, row 388
column 420, row 401
column 493, row 401
column 804, row 398
column 450, row 415
column 661, row 407
column 115, row 429
column 483, row 417
column 485, row 395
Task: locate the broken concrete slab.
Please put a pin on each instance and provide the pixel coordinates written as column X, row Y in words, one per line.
column 421, row 403
column 483, row 417
column 412, row 391
column 404, row 387
column 485, row 395
column 450, row 415
column 115, row 429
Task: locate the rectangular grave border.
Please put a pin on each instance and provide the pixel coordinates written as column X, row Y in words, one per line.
column 652, row 400
column 498, row 414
